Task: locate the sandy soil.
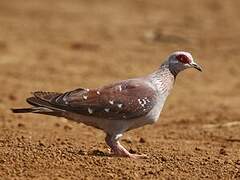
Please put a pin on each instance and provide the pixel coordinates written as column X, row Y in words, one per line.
column 59, row 45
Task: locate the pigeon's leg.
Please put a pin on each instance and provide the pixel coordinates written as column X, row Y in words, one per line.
column 117, row 149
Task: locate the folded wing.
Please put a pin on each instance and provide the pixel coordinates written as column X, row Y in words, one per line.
column 124, row 100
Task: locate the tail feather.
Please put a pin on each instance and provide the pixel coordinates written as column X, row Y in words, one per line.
column 41, row 104
column 31, row 110
column 39, row 110
column 46, row 96
column 22, row 110
column 38, row 102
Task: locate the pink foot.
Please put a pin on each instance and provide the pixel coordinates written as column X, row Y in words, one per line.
column 116, row 149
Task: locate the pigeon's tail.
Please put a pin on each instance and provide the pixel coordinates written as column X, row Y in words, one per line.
column 26, row 110
column 40, row 106
column 39, row 110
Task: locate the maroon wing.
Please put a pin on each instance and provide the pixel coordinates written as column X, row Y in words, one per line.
column 123, row 100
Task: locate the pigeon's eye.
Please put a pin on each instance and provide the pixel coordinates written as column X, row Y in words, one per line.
column 183, row 58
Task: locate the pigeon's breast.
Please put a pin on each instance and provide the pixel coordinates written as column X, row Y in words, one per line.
column 163, row 87
column 154, row 114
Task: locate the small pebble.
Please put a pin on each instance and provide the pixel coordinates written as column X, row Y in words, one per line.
column 12, row 97
column 67, row 127
column 21, row 125
column 57, row 124
column 141, row 140
column 222, row 151
column 132, row 151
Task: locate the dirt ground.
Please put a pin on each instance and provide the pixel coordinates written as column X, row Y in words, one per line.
column 60, row 45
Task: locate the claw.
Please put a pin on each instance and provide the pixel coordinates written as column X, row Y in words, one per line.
column 138, row 156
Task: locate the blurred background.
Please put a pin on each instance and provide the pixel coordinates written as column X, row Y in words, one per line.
column 60, row 45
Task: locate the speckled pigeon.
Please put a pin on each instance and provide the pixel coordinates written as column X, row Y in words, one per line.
column 118, row 107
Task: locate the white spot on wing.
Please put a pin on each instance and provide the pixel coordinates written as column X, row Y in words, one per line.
column 111, row 102
column 64, row 98
column 146, row 99
column 142, row 102
column 85, row 97
column 119, row 105
column 98, row 92
column 107, row 109
column 120, row 88
column 90, row 111
column 87, row 90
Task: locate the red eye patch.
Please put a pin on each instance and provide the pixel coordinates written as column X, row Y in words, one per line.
column 183, row 58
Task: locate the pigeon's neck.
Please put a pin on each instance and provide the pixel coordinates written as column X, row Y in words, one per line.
column 163, row 79
column 173, row 68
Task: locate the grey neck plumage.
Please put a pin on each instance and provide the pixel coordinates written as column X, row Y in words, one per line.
column 163, row 79
column 173, row 68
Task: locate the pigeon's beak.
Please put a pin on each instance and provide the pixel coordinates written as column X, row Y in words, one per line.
column 196, row 66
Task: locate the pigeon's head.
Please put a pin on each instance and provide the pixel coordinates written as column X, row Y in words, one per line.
column 181, row 60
